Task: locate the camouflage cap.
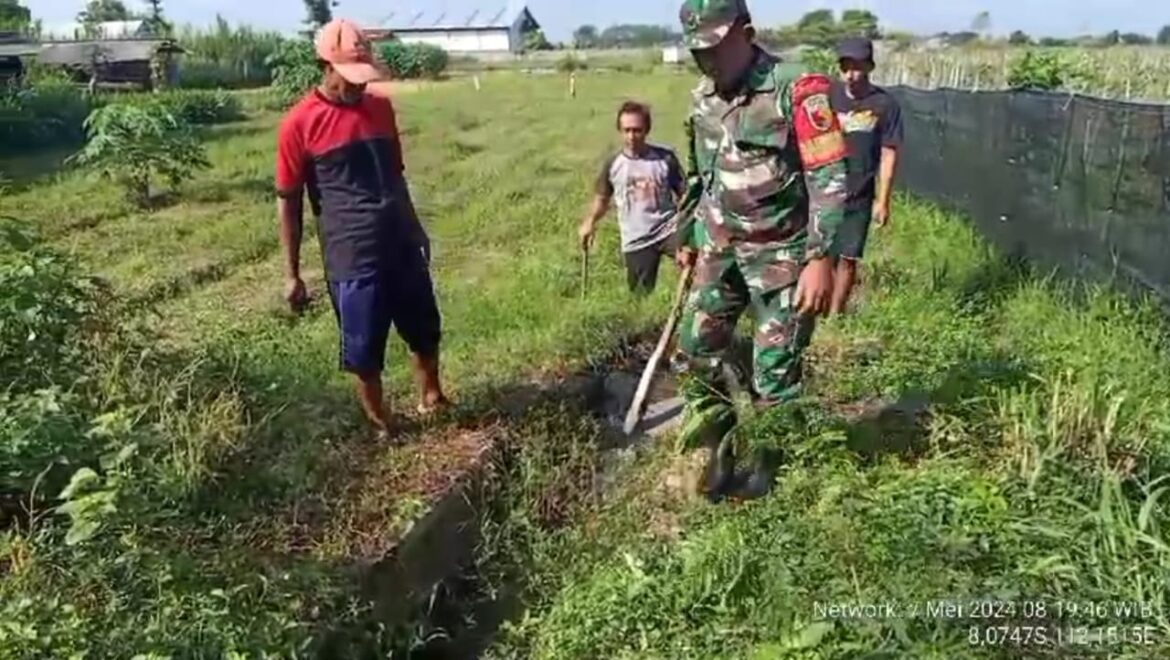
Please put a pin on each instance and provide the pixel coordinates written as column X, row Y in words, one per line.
column 706, row 22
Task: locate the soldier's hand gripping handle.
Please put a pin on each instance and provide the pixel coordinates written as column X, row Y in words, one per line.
column 823, row 153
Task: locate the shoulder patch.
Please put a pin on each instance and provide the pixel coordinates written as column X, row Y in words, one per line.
column 818, row 132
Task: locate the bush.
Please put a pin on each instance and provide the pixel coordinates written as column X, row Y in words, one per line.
column 202, row 106
column 570, row 63
column 407, row 61
column 1038, row 70
column 819, row 60
column 294, row 69
column 46, row 111
column 130, row 144
column 47, row 310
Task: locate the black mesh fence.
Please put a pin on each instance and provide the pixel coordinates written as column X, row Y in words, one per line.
column 1076, row 184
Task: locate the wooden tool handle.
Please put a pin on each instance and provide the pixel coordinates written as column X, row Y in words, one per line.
column 634, row 414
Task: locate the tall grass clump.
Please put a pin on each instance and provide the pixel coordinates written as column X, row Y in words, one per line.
column 1121, row 72
column 224, row 57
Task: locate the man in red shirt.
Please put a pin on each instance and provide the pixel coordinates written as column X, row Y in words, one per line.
column 340, row 144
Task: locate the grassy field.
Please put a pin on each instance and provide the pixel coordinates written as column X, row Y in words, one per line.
column 252, row 490
column 236, row 494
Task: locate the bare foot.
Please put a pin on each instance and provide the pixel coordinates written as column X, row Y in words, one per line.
column 433, row 404
column 391, row 432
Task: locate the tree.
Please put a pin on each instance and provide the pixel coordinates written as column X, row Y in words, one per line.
column 319, row 13
column 535, row 40
column 818, row 28
column 13, row 16
column 585, row 36
column 155, row 20
column 101, row 11
column 1135, row 39
column 1164, row 35
column 132, row 143
column 1111, row 39
column 860, row 22
column 817, row 18
column 981, row 24
column 636, row 36
column 1019, row 38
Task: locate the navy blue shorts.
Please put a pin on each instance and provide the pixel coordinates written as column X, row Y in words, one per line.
column 403, row 296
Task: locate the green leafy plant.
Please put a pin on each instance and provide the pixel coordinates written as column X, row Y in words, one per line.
column 294, row 69
column 407, row 61
column 132, row 144
column 1045, row 70
column 202, row 106
column 44, row 111
column 819, row 60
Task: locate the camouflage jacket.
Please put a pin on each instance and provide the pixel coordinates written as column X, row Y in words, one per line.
column 768, row 161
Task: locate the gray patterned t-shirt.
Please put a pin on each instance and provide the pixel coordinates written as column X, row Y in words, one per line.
column 642, row 189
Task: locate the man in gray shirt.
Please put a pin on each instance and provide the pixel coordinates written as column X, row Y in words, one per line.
column 644, row 182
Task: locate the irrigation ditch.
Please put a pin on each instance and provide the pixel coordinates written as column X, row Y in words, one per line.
column 444, row 591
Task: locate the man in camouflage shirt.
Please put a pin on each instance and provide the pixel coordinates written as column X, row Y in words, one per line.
column 767, row 158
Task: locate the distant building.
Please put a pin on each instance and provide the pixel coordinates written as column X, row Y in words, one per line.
column 14, row 49
column 673, row 54
column 499, row 31
column 114, row 63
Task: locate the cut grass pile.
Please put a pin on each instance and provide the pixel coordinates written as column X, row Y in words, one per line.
column 233, row 496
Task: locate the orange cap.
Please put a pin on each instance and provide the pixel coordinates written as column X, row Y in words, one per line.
column 342, row 44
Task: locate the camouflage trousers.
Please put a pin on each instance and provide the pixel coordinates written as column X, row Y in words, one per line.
column 727, row 281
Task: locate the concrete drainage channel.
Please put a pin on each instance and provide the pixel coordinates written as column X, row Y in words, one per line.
column 428, row 581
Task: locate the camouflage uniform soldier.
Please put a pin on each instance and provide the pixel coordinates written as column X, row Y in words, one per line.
column 767, row 160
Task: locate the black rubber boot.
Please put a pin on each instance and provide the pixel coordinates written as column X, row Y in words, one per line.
column 719, row 475
column 708, row 426
column 759, row 480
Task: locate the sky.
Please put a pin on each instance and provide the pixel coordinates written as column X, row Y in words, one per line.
column 560, row 17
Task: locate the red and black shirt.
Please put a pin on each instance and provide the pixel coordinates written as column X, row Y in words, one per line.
column 349, row 158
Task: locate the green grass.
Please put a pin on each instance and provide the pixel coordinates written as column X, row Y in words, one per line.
column 252, row 494
column 251, row 497
column 1027, row 470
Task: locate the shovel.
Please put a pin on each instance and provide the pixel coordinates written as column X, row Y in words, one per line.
column 634, row 414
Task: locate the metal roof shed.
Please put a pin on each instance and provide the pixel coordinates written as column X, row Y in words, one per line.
column 497, row 30
column 114, row 61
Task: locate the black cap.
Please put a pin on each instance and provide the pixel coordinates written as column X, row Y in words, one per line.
column 856, row 48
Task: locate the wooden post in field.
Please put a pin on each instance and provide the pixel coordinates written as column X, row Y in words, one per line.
column 573, row 85
column 475, row 78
